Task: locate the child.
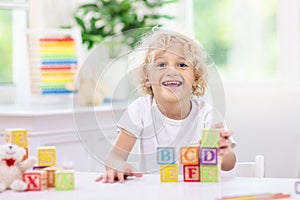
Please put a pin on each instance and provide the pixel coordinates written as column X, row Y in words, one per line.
column 172, row 72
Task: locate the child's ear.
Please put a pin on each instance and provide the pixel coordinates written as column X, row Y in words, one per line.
column 147, row 83
column 196, row 81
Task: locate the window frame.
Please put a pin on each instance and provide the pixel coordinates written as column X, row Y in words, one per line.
column 10, row 91
column 289, row 44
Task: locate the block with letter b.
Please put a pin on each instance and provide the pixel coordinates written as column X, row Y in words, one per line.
column 46, row 156
column 165, row 155
column 189, row 155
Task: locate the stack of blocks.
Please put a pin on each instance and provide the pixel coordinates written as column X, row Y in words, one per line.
column 45, row 175
column 200, row 164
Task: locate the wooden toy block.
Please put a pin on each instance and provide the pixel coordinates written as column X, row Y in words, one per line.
column 50, row 174
column 36, row 180
column 26, row 154
column 36, row 167
column 189, row 155
column 165, row 155
column 46, row 156
column 210, row 138
column 297, row 187
column 16, row 136
column 191, row 173
column 169, row 173
column 209, row 173
column 208, row 156
column 64, row 180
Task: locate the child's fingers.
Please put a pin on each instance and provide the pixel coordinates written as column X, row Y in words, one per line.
column 226, row 133
column 137, row 174
column 111, row 176
column 223, row 151
column 120, row 177
column 134, row 172
column 218, row 125
column 99, row 178
column 105, row 178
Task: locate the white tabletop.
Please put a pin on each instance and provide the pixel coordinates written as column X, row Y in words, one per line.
column 150, row 187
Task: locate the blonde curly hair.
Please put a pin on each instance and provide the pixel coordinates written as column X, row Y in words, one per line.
column 158, row 41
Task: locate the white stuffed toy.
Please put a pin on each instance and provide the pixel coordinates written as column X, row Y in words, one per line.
column 12, row 167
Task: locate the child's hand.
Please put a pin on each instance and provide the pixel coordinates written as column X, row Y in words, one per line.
column 119, row 172
column 224, row 142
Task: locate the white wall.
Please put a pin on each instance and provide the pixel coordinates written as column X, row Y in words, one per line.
column 266, row 120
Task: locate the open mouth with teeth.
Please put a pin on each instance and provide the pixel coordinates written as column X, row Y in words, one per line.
column 172, row 83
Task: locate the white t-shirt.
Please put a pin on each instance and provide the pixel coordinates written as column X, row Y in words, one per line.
column 145, row 121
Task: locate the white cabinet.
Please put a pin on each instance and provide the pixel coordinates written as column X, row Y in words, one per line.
column 82, row 137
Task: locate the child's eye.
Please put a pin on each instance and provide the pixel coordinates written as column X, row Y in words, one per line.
column 182, row 65
column 160, row 65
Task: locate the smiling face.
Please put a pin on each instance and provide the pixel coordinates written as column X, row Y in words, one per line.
column 171, row 77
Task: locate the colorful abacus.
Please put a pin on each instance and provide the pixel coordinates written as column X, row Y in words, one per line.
column 58, row 65
column 200, row 164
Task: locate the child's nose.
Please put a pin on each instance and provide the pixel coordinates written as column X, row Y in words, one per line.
column 171, row 70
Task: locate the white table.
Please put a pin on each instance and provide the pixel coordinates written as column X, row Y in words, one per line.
column 150, row 187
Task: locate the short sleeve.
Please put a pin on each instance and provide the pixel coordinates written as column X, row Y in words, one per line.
column 132, row 118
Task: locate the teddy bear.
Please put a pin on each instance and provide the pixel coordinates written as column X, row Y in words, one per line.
column 12, row 167
column 89, row 91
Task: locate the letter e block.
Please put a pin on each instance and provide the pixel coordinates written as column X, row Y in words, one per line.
column 64, row 180
column 16, row 136
column 189, row 155
column 208, row 156
column 165, row 155
column 46, row 156
column 209, row 173
column 169, row 173
column 36, row 180
column 210, row 138
column 191, row 173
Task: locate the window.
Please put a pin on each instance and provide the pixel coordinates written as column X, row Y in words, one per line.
column 6, row 46
column 13, row 24
column 241, row 37
column 12, row 16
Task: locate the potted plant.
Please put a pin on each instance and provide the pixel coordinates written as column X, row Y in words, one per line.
column 106, row 18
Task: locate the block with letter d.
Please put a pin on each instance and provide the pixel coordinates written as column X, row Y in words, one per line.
column 165, row 155
column 208, row 156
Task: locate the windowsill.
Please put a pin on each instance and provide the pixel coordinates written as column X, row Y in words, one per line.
column 43, row 110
